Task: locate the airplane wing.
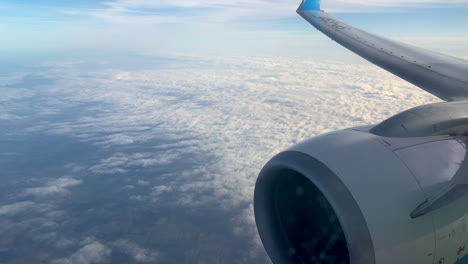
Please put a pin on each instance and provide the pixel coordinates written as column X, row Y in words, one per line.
column 443, row 76
column 312, row 202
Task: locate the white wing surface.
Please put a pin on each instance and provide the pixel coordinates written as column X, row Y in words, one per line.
column 443, row 76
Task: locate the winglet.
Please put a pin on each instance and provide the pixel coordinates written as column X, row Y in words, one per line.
column 310, row 5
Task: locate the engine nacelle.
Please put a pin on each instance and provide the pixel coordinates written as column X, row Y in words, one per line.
column 355, row 197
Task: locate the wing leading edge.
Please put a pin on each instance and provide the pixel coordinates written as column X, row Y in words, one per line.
column 443, row 76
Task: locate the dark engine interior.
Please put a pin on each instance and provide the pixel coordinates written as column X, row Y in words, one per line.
column 306, row 222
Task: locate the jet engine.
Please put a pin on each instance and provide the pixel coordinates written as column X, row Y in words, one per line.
column 355, row 197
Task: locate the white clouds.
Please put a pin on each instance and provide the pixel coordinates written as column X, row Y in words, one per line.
column 191, row 11
column 239, row 110
column 11, row 94
column 41, row 222
column 225, row 117
column 235, row 26
column 16, row 208
column 12, row 78
column 154, row 12
column 92, row 253
column 38, row 222
column 59, row 186
column 244, row 110
column 6, row 116
column 90, row 250
column 158, row 192
column 143, row 183
column 147, row 11
column 139, row 254
column 207, row 27
column 120, row 162
column 190, row 27
column 118, row 139
column 12, row 99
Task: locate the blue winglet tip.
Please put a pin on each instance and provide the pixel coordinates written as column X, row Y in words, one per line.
column 310, row 5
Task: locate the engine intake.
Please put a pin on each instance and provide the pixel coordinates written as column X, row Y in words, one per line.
column 306, row 221
column 300, row 221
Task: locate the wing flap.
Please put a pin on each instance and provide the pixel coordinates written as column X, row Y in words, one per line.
column 443, row 76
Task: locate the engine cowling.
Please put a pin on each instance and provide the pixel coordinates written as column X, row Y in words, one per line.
column 348, row 197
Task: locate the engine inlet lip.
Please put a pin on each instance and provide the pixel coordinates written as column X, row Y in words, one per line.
column 359, row 242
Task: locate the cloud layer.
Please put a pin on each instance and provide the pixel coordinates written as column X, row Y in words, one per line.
column 56, row 187
column 175, row 151
column 91, row 253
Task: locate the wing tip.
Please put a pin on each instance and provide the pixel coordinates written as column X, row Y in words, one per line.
column 310, row 5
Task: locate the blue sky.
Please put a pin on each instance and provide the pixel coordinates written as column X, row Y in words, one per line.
column 208, row 27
